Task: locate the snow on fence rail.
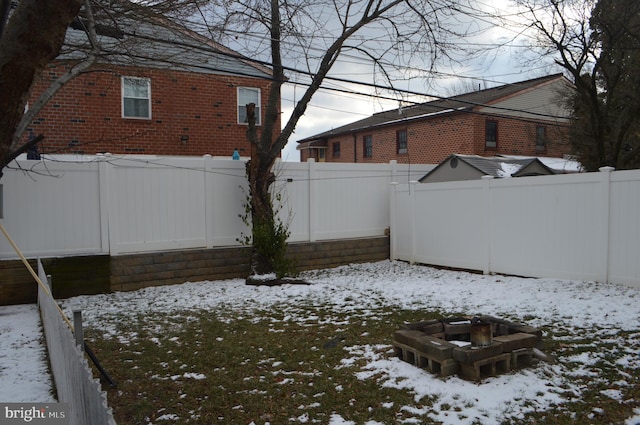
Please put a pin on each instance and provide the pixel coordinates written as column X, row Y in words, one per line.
column 120, row 205
column 71, row 372
column 577, row 226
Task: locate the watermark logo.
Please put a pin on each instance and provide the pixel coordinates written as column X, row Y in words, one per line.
column 34, row 413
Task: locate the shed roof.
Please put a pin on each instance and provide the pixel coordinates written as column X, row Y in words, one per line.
column 496, row 166
column 449, row 105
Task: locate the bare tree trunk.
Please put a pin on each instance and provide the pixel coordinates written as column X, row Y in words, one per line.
column 264, row 149
column 260, row 179
column 38, row 28
column 70, row 74
column 263, row 156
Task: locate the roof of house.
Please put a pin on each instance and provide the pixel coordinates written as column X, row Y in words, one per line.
column 136, row 38
column 496, row 166
column 463, row 102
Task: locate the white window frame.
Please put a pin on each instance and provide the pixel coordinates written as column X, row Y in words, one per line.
column 242, row 109
column 148, row 97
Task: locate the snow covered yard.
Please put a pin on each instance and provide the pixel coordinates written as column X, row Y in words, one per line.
column 226, row 352
column 24, row 373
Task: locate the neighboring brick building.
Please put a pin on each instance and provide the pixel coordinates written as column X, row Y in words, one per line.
column 156, row 88
column 526, row 118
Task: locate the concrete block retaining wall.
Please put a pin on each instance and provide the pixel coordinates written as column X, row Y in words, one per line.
column 101, row 273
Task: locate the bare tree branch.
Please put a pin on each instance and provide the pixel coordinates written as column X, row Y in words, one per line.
column 71, row 73
column 384, row 32
column 38, row 28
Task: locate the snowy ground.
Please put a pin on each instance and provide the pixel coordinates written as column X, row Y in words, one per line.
column 24, row 374
column 603, row 311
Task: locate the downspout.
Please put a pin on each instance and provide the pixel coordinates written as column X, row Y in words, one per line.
column 355, row 147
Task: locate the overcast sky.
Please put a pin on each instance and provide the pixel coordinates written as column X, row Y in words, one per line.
column 510, row 61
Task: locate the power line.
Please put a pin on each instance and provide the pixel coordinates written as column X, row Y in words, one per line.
column 324, row 87
column 112, row 160
column 335, row 79
column 311, row 74
column 360, row 61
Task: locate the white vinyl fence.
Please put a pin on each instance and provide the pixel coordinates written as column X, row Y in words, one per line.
column 120, row 205
column 576, row 226
column 73, row 376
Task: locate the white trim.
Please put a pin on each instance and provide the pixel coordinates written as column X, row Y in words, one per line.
column 258, row 105
column 122, row 97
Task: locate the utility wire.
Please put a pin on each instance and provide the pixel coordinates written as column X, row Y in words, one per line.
column 157, row 163
column 335, row 79
column 329, row 78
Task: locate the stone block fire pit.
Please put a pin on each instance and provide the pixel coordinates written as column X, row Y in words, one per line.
column 473, row 347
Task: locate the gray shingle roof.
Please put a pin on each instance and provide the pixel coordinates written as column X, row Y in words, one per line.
column 463, row 102
column 135, row 39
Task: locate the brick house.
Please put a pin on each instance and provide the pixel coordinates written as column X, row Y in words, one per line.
column 155, row 88
column 526, row 118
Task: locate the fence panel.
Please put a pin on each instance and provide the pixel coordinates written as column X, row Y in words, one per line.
column 624, row 264
column 581, row 226
column 401, row 212
column 156, row 205
column 294, row 183
column 119, row 205
column 70, row 222
column 73, row 377
column 225, row 194
column 339, row 200
column 352, row 193
column 548, row 226
column 449, row 224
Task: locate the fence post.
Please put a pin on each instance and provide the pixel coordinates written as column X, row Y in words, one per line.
column 77, row 329
column 605, row 201
column 488, row 211
column 311, row 162
column 104, row 175
column 393, row 186
column 392, row 208
column 393, row 164
column 209, row 196
column 412, row 230
column 48, row 282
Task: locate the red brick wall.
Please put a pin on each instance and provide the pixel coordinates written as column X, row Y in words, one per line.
column 431, row 141
column 85, row 116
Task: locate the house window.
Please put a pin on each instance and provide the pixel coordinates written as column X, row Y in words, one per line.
column 541, row 138
column 336, row 149
column 491, row 134
column 136, row 97
column 367, row 147
column 247, row 95
column 401, row 141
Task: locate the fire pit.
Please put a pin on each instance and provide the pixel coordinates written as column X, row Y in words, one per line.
column 472, row 347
